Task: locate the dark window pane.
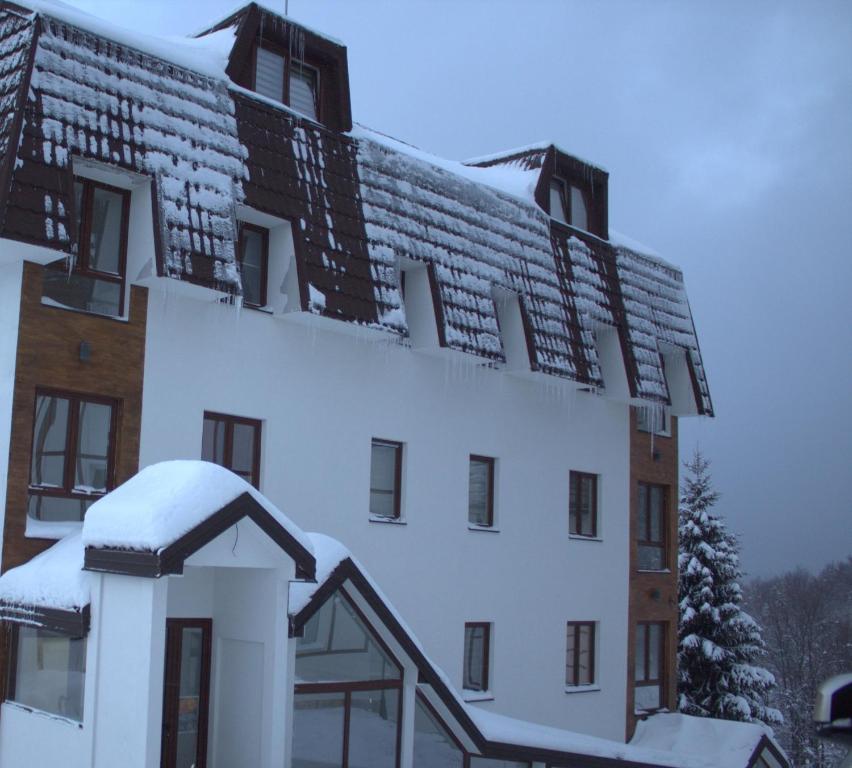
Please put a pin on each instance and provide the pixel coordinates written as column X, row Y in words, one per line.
column 433, row 747
column 479, row 493
column 373, row 724
column 49, row 441
column 213, row 441
column 383, row 490
column 650, row 557
column 557, row 201
column 105, row 231
column 57, row 509
column 579, row 216
column 81, row 291
column 337, row 646
column 656, row 510
column 189, row 696
column 584, row 671
column 303, row 89
column 50, row 672
column 583, row 504
column 318, row 730
column 475, row 658
column 242, row 459
column 570, row 658
column 78, row 203
column 643, row 512
column 641, row 644
column 93, row 442
column 655, row 637
column 252, row 265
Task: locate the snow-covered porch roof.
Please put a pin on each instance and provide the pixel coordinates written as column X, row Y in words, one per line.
column 147, row 527
column 724, row 743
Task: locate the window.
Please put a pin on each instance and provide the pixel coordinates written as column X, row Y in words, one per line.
column 480, row 501
column 385, row 479
column 568, row 203
column 234, row 443
column 288, row 80
column 434, row 744
column 580, row 653
column 48, row 672
column 73, row 455
column 651, row 533
column 93, row 279
column 253, row 257
column 654, row 419
column 348, row 693
column 583, row 504
column 477, row 638
column 650, row 661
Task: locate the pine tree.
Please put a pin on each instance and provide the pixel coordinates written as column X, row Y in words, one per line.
column 718, row 643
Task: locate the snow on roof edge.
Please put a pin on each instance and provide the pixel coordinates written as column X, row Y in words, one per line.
column 267, row 9
column 188, row 53
column 533, row 147
column 625, row 243
column 521, row 190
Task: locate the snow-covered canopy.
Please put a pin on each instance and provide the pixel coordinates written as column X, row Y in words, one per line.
column 722, row 743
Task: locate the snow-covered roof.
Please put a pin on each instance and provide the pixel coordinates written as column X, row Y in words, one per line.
column 164, row 501
column 360, row 201
column 722, row 743
column 154, row 509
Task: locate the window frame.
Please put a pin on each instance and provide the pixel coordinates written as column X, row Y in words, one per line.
column 646, row 681
column 397, row 500
column 642, row 425
column 280, row 50
column 347, row 688
column 641, row 542
column 84, row 228
column 572, row 514
column 576, row 626
column 486, row 657
column 72, row 434
column 9, row 695
column 264, row 264
column 228, row 457
column 490, row 463
column 565, row 187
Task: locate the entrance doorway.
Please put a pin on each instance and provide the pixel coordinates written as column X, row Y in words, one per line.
column 186, row 693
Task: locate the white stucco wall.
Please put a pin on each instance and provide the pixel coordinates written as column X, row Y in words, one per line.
column 10, row 307
column 34, row 739
column 322, row 396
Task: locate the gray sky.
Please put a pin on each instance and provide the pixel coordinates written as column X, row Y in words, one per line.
column 727, row 131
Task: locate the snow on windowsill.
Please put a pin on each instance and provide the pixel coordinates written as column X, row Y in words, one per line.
column 46, row 301
column 580, row 537
column 41, row 713
column 581, row 688
column 483, row 528
column 391, row 520
column 45, row 529
column 473, row 696
column 653, row 570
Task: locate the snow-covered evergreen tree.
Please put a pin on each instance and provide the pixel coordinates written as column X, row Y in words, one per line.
column 718, row 643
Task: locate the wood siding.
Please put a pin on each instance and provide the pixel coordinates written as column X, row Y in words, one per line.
column 48, row 357
column 653, row 595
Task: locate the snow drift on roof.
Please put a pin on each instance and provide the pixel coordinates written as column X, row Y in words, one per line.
column 53, row 579
column 164, row 501
column 723, row 743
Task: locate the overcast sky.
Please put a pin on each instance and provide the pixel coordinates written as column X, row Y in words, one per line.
column 726, row 128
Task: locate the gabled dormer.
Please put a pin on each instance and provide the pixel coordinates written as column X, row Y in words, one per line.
column 286, row 62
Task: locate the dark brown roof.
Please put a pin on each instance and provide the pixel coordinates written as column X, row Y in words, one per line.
column 359, row 202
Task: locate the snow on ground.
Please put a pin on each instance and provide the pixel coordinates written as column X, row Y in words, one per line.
column 164, row 501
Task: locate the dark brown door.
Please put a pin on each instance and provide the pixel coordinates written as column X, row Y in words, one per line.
column 186, row 692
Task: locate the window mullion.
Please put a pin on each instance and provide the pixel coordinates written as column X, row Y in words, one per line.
column 86, row 200
column 347, row 709
column 71, row 443
column 228, row 448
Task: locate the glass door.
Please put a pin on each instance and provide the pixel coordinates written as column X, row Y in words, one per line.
column 186, row 690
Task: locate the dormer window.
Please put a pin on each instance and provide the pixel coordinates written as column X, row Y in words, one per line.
column 568, row 203
column 253, row 257
column 288, row 80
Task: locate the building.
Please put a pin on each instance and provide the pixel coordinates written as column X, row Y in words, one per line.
column 455, row 369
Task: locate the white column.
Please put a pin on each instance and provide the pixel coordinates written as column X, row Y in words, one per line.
column 129, row 684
